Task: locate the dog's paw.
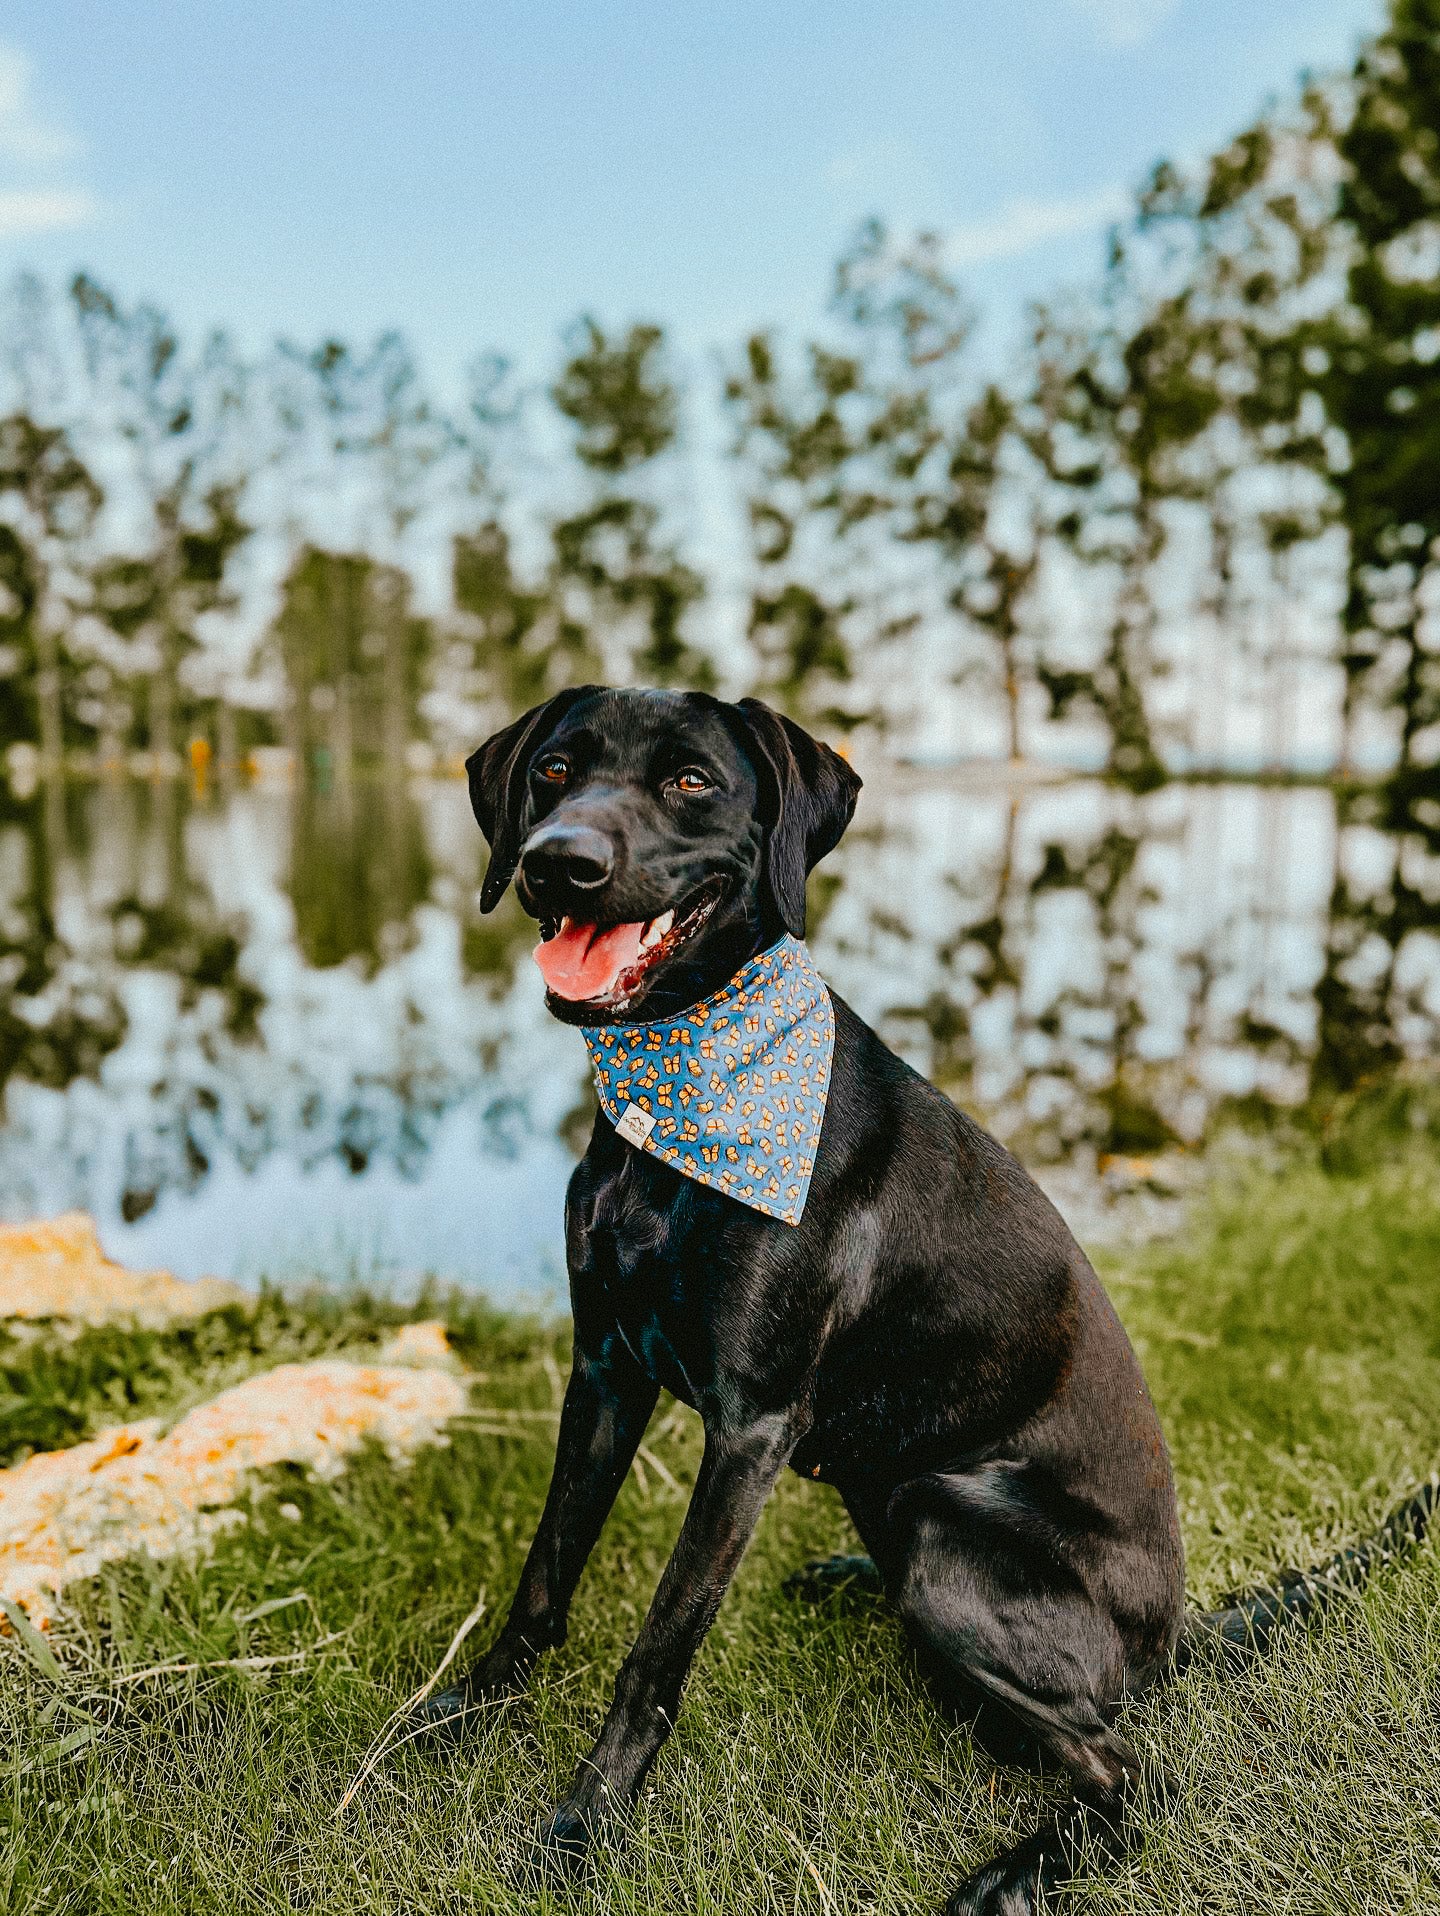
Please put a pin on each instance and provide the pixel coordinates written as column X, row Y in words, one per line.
column 444, row 1721
column 563, row 1842
column 831, row 1576
column 448, row 1719
column 1009, row 1886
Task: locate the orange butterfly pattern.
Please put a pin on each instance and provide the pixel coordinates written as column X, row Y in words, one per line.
column 731, row 1092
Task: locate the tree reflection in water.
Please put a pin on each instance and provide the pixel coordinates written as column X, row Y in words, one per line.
column 359, row 870
column 221, row 1019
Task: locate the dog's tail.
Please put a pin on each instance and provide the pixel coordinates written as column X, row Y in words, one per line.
column 1245, row 1625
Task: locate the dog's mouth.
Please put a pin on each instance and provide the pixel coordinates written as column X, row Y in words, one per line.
column 605, row 965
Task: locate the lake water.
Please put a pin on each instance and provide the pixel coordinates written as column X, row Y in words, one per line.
column 268, row 1031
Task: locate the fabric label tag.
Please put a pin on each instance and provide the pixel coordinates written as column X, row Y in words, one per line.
column 635, row 1125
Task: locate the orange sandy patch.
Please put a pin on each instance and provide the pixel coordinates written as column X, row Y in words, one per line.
column 64, row 1513
column 57, row 1269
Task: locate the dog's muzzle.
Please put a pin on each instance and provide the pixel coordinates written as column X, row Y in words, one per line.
column 566, row 858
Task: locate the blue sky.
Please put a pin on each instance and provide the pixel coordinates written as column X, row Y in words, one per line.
column 477, row 174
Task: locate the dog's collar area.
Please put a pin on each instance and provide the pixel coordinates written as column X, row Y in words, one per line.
column 731, row 1092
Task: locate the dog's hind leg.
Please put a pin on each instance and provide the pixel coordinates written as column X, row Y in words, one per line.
column 999, row 1621
column 1014, row 1882
column 1023, row 1720
column 825, row 1577
column 851, row 1575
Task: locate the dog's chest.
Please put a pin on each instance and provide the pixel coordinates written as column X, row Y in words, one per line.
column 645, row 1280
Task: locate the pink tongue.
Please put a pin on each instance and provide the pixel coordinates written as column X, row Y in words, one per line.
column 580, row 962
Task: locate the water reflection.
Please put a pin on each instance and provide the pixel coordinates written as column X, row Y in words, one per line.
column 269, row 1027
column 359, row 869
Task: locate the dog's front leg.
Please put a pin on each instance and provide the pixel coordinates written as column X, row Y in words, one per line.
column 737, row 1473
column 608, row 1403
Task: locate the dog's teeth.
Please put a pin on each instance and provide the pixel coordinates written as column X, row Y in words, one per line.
column 656, row 930
column 564, row 925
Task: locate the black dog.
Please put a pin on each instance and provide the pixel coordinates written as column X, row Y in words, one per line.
column 929, row 1338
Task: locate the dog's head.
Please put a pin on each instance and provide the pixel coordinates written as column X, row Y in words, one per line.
column 660, row 838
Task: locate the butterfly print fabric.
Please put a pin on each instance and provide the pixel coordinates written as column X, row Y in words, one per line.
column 731, row 1092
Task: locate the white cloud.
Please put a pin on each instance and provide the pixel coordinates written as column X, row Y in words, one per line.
column 25, row 134
column 1127, row 23
column 32, row 149
column 882, row 169
column 41, row 212
column 1021, row 225
column 891, row 179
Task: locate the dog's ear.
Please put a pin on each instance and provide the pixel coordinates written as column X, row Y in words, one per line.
column 497, row 786
column 807, row 798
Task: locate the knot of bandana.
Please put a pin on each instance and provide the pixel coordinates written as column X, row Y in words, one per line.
column 731, row 1092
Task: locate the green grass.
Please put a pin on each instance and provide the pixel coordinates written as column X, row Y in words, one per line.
column 1292, row 1337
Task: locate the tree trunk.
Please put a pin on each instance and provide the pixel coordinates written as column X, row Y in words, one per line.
column 294, row 726
column 1410, row 700
column 162, row 712
column 1345, row 745
column 395, row 718
column 1012, row 697
column 48, row 696
column 227, row 751
column 343, row 737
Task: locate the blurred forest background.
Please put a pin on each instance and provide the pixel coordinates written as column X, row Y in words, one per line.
column 1209, row 478
column 1190, row 532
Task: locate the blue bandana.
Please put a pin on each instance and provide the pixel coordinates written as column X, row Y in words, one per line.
column 732, row 1091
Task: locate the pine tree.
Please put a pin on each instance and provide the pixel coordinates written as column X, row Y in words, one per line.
column 619, row 583
column 839, row 457
column 178, row 418
column 48, row 505
column 1382, row 382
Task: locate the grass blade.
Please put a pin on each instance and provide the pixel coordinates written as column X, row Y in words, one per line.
column 381, row 1745
column 275, row 1603
column 30, row 1638
column 51, row 1752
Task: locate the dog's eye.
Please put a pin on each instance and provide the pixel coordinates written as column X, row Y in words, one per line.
column 554, row 768
column 691, row 781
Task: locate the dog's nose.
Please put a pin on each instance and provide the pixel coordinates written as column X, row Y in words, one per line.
column 568, row 855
